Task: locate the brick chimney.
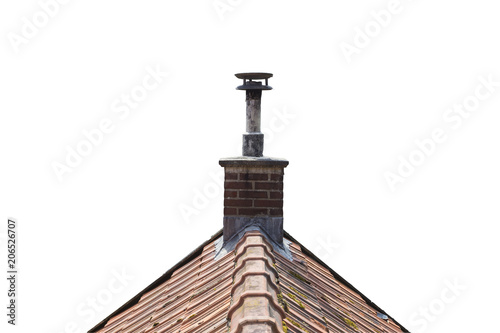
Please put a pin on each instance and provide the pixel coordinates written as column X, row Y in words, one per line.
column 253, row 184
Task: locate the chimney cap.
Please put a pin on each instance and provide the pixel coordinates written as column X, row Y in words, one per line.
column 248, row 84
column 253, row 76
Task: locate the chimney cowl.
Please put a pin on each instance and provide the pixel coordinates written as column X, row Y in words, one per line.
column 253, row 139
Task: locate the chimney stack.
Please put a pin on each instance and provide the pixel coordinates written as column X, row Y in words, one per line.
column 253, row 184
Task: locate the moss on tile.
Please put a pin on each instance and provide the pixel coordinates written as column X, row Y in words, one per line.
column 292, row 296
column 171, row 301
column 296, row 324
column 298, row 292
column 350, row 323
column 283, row 303
column 299, row 277
column 285, row 328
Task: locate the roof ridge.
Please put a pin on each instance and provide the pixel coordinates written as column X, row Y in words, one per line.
column 255, row 305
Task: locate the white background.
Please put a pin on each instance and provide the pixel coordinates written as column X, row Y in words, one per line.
column 120, row 208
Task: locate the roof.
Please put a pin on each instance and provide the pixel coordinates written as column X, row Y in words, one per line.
column 251, row 288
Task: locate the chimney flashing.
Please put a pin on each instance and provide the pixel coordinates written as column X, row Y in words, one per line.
column 224, row 245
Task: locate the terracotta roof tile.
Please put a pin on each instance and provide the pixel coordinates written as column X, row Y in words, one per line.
column 250, row 289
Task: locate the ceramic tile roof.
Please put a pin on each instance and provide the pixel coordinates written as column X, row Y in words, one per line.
column 249, row 289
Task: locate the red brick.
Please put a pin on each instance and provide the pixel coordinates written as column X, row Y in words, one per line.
column 277, row 177
column 237, row 203
column 268, row 203
column 230, row 194
column 269, row 186
column 253, row 194
column 230, row 211
column 276, row 212
column 238, row 185
column 231, row 176
column 254, row 176
column 275, row 195
column 252, row 211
